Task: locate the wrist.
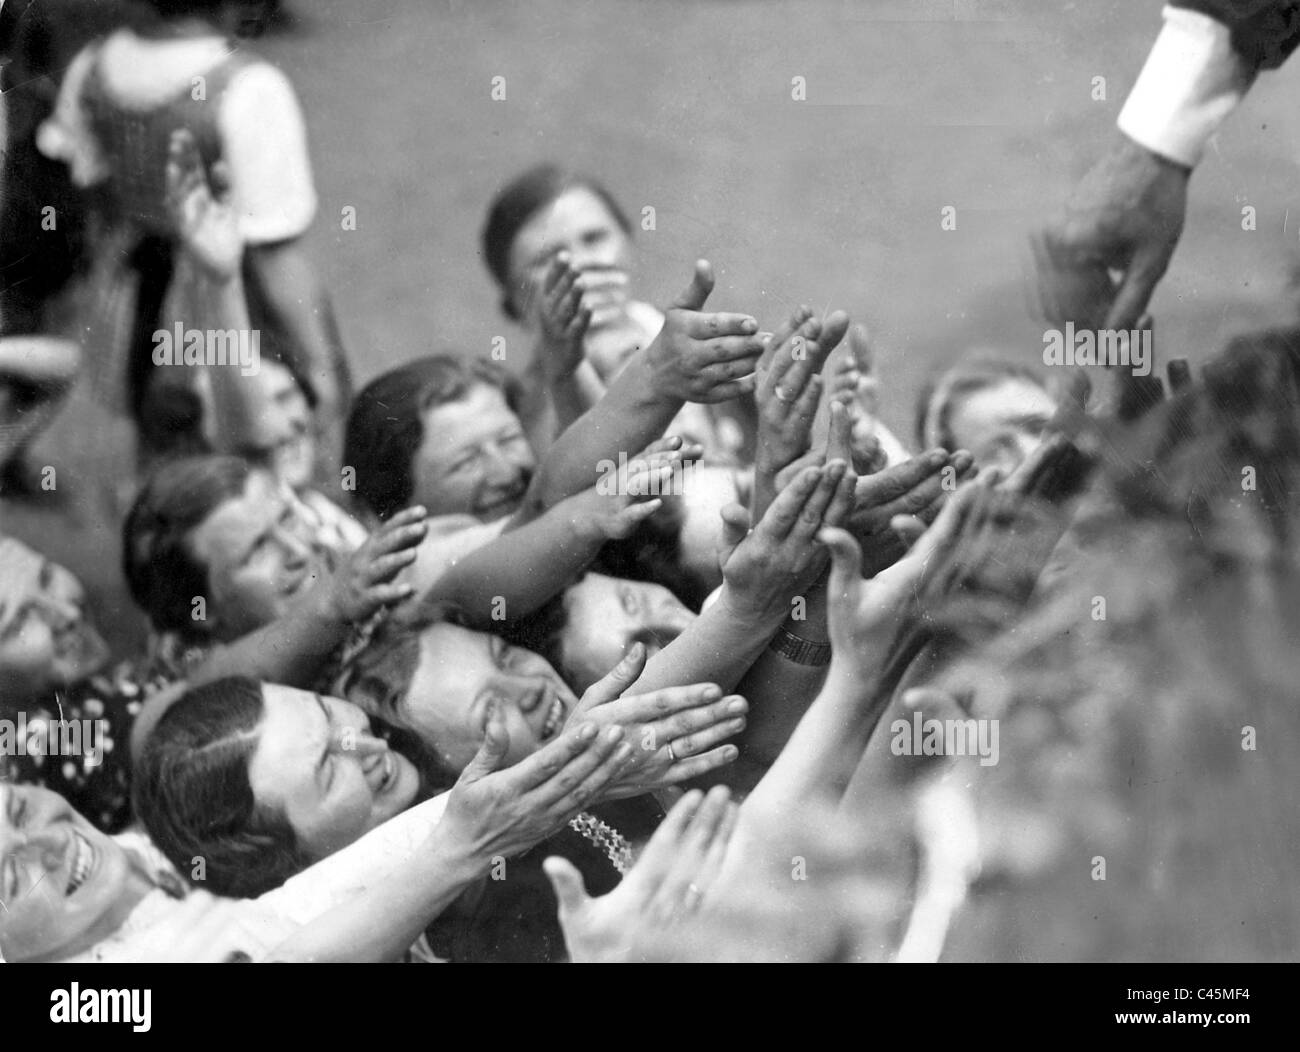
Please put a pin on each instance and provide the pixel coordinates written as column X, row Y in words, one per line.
column 1192, row 80
column 463, row 862
column 746, row 612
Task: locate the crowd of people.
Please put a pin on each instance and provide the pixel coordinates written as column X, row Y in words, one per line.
column 665, row 648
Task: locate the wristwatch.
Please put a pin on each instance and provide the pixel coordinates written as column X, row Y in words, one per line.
column 799, row 650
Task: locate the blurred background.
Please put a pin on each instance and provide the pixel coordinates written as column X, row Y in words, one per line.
column 685, row 106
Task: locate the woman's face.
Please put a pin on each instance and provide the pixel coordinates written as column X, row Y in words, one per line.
column 262, row 554
column 46, row 640
column 317, row 763
column 287, row 427
column 606, row 615
column 1003, row 424
column 577, row 222
column 65, row 885
column 460, row 673
column 474, row 458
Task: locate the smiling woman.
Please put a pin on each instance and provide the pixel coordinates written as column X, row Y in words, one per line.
column 261, row 781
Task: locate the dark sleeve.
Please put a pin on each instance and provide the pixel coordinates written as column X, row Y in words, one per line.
column 1264, row 32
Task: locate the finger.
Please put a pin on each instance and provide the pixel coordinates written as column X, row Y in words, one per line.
column 888, row 485
column 407, row 537
column 947, row 528
column 908, row 527
column 666, row 840
column 716, row 325
column 716, row 852
column 781, row 517
column 705, row 737
column 787, row 329
column 566, row 882
column 728, row 347
column 935, row 702
column 839, row 439
column 492, row 753
column 842, row 503
column 698, row 766
column 386, row 567
column 810, row 519
column 543, row 765
column 864, row 355
column 673, row 894
column 627, row 520
column 679, row 716
column 389, row 594
column 558, row 273
column 846, row 562
column 591, row 783
column 742, row 388
column 721, row 372
column 616, row 680
column 697, row 292
column 1140, row 280
column 834, row 328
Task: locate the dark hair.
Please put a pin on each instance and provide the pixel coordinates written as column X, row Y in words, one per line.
column 157, row 560
column 386, row 425
column 518, row 201
column 943, row 391
column 193, row 794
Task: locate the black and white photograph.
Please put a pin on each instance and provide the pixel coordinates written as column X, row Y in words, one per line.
column 652, row 482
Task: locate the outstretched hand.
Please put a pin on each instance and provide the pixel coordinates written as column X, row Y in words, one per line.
column 1126, row 216
column 701, row 356
column 670, row 880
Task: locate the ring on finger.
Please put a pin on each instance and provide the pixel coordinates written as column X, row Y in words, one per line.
column 779, row 393
column 692, row 897
column 672, row 756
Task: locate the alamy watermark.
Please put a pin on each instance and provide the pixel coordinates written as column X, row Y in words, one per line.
column 927, row 736
column 211, row 347
column 44, row 736
column 640, row 477
column 1126, row 348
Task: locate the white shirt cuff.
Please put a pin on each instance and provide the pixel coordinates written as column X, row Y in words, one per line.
column 1191, row 81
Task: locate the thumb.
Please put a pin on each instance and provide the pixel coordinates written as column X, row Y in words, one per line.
column 617, row 680
column 698, row 290
column 1140, row 280
column 846, row 560
column 492, row 753
column 860, row 344
column 567, row 883
column 735, row 528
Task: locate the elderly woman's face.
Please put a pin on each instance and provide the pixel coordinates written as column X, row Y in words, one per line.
column 474, row 458
column 64, row 884
column 317, row 763
column 460, row 673
column 1002, row 424
column 607, row 615
column 46, row 640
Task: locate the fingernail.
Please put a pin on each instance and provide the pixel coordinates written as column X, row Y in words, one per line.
column 737, row 706
column 712, row 692
column 586, row 732
column 623, row 751
column 614, row 734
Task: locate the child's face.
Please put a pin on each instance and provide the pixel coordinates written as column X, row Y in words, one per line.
column 474, row 458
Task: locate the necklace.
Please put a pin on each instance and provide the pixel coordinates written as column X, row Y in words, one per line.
column 605, row 837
